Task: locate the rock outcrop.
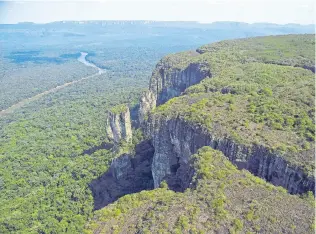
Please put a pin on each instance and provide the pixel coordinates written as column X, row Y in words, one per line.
column 175, row 140
column 206, row 115
column 168, row 81
column 146, row 104
column 118, row 124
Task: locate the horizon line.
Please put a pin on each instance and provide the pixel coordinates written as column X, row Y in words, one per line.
column 154, row 21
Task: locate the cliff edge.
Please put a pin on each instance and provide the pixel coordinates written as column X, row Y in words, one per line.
column 252, row 99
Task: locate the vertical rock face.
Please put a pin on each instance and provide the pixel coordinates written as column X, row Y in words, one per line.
column 146, row 104
column 119, row 124
column 108, row 128
column 120, row 165
column 167, row 82
column 175, row 140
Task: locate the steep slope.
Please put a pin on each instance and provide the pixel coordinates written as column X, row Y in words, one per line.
column 127, row 174
column 174, row 73
column 243, row 104
column 252, row 106
column 221, row 199
column 171, row 77
column 118, row 124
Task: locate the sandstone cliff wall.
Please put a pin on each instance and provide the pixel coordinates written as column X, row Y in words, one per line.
column 168, row 82
column 118, row 125
column 175, row 140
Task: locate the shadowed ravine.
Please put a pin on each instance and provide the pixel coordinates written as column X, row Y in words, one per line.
column 81, row 59
column 127, row 174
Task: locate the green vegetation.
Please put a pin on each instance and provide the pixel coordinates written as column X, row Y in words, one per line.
column 291, row 50
column 178, row 60
column 253, row 102
column 119, row 109
column 21, row 82
column 50, row 150
column 225, row 199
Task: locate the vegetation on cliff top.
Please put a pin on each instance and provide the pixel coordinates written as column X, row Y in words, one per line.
column 118, row 109
column 287, row 50
column 224, row 199
column 254, row 102
column 52, row 148
column 291, row 50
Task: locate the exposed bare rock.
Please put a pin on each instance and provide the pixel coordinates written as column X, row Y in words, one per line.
column 167, row 82
column 147, row 103
column 118, row 124
column 175, row 141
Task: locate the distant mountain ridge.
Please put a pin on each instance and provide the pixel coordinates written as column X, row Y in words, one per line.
column 169, row 33
column 171, row 23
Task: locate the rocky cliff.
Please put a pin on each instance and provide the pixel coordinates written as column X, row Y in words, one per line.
column 222, row 199
column 215, row 122
column 118, row 124
column 168, row 81
column 175, row 141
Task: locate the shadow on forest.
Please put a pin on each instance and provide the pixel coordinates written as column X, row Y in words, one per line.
column 104, row 145
column 127, row 174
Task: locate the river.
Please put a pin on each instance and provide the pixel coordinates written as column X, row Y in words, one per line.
column 23, row 102
column 83, row 60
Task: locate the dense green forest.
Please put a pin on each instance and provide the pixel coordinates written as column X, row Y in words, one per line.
column 45, row 170
column 20, row 82
column 51, row 149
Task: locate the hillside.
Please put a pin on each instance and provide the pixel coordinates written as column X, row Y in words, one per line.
column 258, row 100
column 249, row 104
column 222, row 199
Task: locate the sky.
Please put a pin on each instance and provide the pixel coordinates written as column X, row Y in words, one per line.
column 204, row 11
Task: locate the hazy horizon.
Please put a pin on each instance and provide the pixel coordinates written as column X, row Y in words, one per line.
column 244, row 11
column 167, row 21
